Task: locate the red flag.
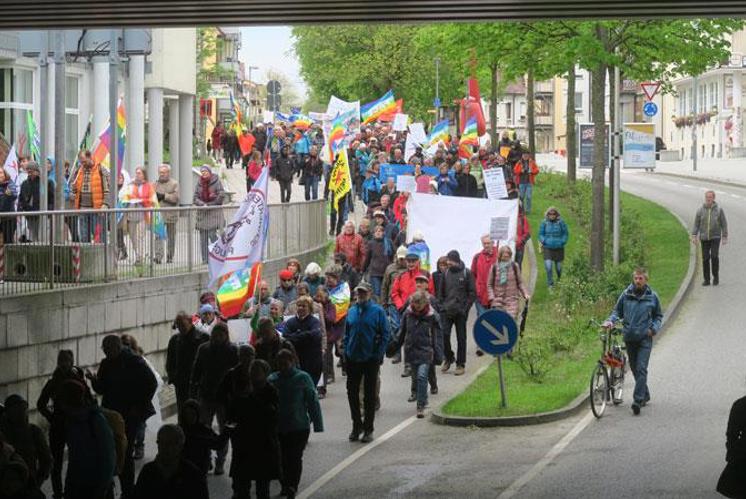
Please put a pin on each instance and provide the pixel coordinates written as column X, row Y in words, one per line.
column 246, row 142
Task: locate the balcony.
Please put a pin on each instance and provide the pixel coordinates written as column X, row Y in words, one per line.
column 544, row 120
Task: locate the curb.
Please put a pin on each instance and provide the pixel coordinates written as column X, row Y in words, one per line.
column 576, row 405
column 703, row 179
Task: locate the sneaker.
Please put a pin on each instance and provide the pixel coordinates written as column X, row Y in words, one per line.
column 412, row 397
column 446, row 366
column 420, row 412
column 354, row 435
column 433, row 390
column 367, row 437
column 459, row 371
column 636, row 409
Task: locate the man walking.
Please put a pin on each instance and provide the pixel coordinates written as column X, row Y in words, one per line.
column 167, row 190
column 710, row 227
column 366, row 337
column 640, row 310
column 182, row 350
column 525, row 172
column 457, row 294
column 90, row 191
column 481, row 266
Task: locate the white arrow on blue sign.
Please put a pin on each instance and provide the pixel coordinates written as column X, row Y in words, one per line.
column 495, row 332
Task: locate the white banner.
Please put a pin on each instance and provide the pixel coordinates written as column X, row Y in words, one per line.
column 494, row 183
column 417, row 132
column 242, row 242
column 406, row 183
column 450, row 222
column 338, row 106
column 410, row 147
column 400, row 122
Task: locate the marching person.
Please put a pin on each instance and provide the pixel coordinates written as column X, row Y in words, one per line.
column 640, row 310
column 525, row 172
column 456, row 296
column 167, row 191
column 710, row 228
column 505, row 285
column 180, row 355
column 553, row 236
column 481, row 266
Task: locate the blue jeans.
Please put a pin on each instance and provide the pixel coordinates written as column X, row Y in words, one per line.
column 525, row 192
column 393, row 315
column 421, row 373
column 87, row 227
column 639, row 356
column 312, row 187
column 550, row 273
column 376, row 281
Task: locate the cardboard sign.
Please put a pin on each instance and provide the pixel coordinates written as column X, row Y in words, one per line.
column 494, row 183
column 400, row 122
column 500, row 228
column 417, row 132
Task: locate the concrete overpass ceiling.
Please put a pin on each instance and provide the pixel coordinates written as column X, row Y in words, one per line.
column 35, row 14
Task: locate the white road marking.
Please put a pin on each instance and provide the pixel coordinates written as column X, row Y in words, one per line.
column 548, row 458
column 329, row 475
column 688, row 186
column 736, row 196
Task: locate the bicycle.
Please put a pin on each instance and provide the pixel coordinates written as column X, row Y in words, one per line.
column 607, row 380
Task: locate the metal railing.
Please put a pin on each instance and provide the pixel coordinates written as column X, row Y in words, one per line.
column 54, row 249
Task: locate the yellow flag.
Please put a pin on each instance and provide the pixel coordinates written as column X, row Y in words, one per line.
column 340, row 182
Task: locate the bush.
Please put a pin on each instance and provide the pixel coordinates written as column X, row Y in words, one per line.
column 535, row 357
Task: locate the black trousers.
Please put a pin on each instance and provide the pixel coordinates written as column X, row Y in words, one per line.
column 292, row 445
column 367, row 373
column 711, row 257
column 57, row 446
column 286, row 187
column 459, row 320
column 127, row 477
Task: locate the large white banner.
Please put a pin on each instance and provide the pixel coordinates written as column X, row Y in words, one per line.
column 242, row 242
column 451, row 222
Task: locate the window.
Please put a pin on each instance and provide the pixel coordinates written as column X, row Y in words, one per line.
column 72, row 117
column 16, row 97
column 508, row 111
column 578, row 102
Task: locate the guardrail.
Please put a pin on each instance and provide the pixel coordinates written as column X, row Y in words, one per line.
column 54, row 249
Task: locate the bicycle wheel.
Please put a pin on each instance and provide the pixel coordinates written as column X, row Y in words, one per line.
column 599, row 390
column 617, row 385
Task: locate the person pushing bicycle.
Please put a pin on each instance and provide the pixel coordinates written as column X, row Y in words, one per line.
column 639, row 309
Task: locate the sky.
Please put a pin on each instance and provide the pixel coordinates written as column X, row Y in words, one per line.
column 268, row 48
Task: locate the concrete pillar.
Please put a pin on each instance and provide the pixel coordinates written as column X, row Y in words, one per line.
column 100, row 98
column 155, row 131
column 48, row 113
column 136, row 113
column 186, row 119
column 737, row 107
column 173, row 136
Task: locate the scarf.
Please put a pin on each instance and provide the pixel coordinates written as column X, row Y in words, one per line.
column 504, row 267
column 205, row 189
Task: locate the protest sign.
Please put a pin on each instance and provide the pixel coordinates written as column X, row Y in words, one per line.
column 494, row 183
column 400, row 122
column 406, row 183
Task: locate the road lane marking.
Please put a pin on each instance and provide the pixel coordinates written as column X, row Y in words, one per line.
column 329, row 475
column 548, row 458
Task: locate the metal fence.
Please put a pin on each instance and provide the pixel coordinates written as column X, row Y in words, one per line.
column 55, row 249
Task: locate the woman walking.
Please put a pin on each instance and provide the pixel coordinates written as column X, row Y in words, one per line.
column 553, row 235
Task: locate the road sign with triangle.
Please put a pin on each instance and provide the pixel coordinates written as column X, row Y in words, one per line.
column 650, row 88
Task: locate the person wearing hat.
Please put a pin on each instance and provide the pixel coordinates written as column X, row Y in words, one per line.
column 208, row 192
column 390, row 230
column 207, row 318
column 286, row 291
column 457, row 294
column 29, row 197
column 27, row 439
column 365, row 340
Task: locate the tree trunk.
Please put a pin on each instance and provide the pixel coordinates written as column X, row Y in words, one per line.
column 493, row 104
column 612, row 127
column 570, row 135
column 599, row 166
column 530, row 114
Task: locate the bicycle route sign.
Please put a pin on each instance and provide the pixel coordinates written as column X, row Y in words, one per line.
column 495, row 332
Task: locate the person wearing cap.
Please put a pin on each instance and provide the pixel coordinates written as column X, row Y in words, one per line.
column 365, row 340
column 405, row 284
column 349, row 274
column 524, row 172
column 29, row 197
column 419, row 246
column 390, row 230
column 312, row 276
column 457, row 294
column 27, row 439
column 180, row 355
column 208, row 192
column 207, row 318
column 378, row 256
column 286, row 291
column 211, row 364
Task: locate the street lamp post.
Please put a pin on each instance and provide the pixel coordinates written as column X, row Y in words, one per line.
column 437, row 86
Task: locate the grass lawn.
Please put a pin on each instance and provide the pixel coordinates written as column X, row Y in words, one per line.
column 570, row 372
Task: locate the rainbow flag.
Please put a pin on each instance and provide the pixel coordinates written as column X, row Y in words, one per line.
column 143, row 196
column 439, row 133
column 338, row 136
column 373, row 110
column 101, row 151
column 389, row 116
column 237, row 288
column 469, row 139
column 340, row 297
column 301, row 121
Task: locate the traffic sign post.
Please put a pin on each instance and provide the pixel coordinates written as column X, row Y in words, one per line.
column 650, row 89
column 496, row 333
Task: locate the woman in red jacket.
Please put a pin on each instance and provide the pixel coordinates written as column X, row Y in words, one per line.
column 522, row 236
column 254, row 169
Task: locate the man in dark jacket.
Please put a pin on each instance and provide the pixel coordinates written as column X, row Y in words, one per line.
column 710, row 227
column 127, row 385
column 457, row 294
column 365, row 341
column 29, row 199
column 283, row 168
column 304, row 332
column 182, row 350
column 213, row 361
column 260, row 134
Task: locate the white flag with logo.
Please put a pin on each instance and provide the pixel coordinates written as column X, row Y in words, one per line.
column 11, row 163
column 242, row 242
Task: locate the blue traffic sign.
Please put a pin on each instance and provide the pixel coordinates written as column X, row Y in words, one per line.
column 495, row 332
column 436, row 103
column 650, row 109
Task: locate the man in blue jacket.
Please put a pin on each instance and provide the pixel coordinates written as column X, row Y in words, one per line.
column 365, row 340
column 639, row 309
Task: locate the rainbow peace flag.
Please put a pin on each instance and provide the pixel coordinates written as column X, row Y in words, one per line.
column 101, row 152
column 469, row 139
column 340, row 297
column 373, row 110
column 338, row 137
column 439, row 133
column 301, row 121
column 143, row 196
column 237, row 288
